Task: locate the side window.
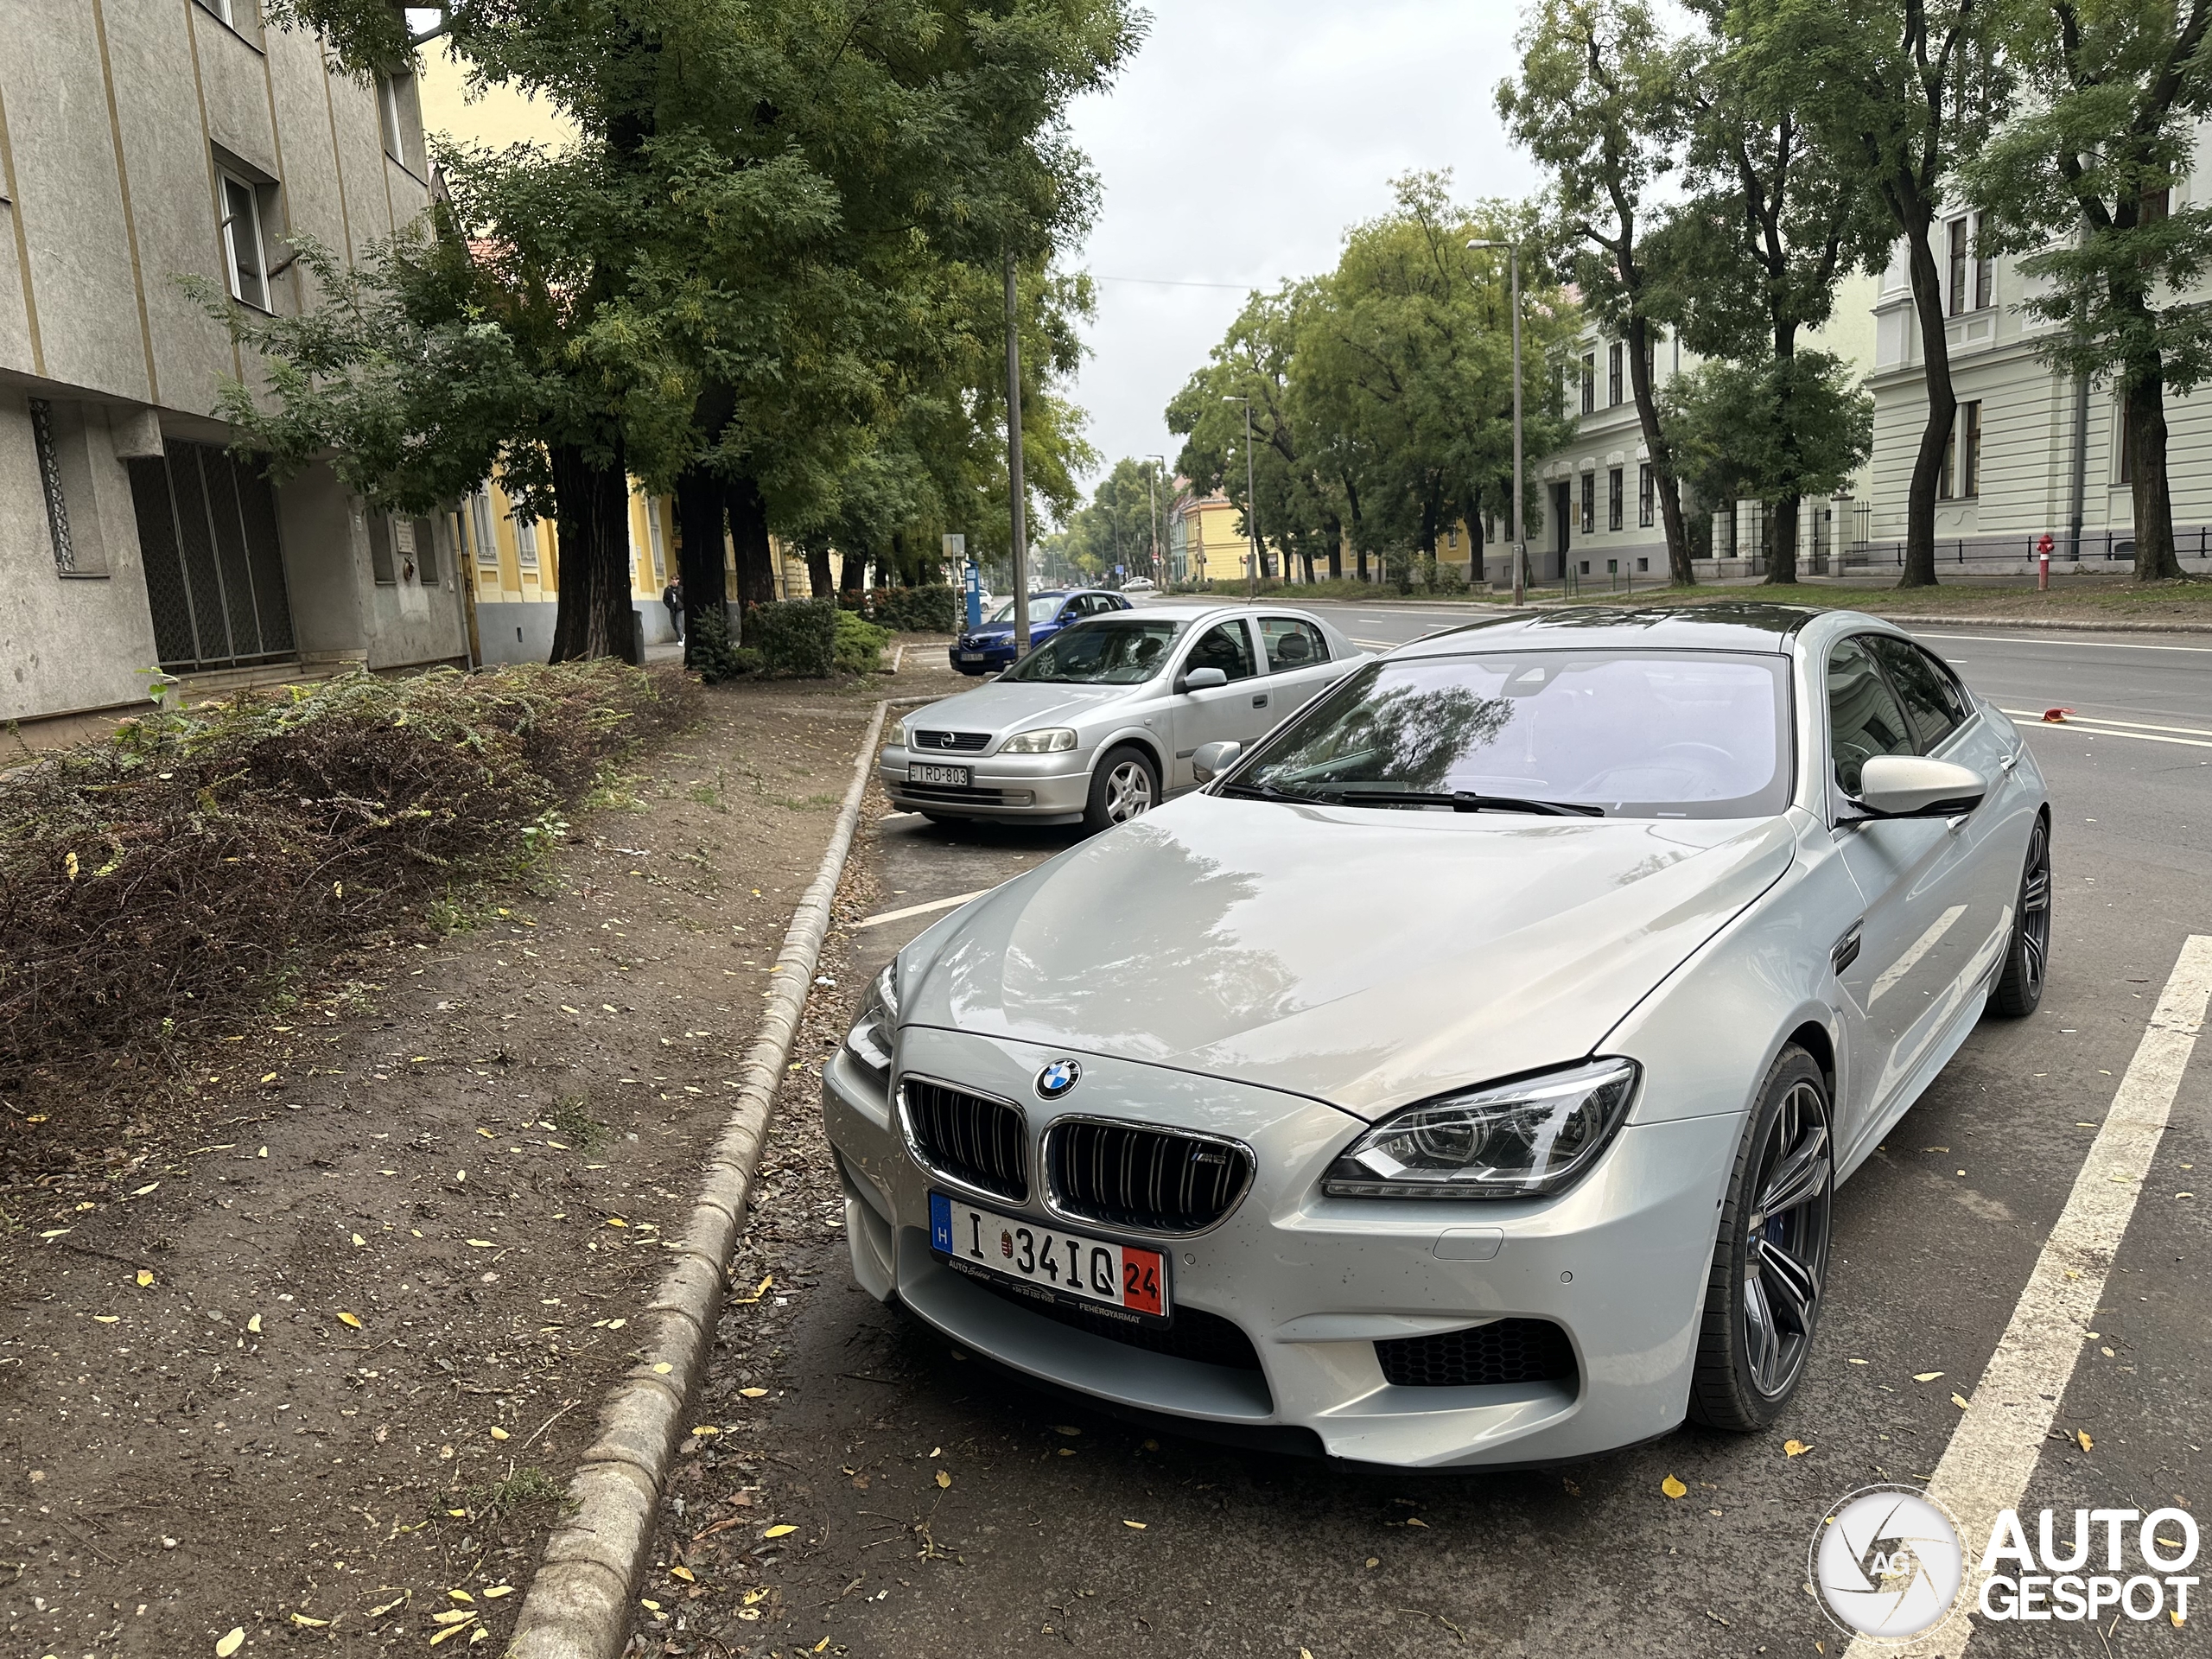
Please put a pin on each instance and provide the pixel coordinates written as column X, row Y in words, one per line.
column 1935, row 703
column 1865, row 719
column 1291, row 644
column 1226, row 646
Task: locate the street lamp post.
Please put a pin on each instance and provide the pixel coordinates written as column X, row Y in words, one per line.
column 1152, row 495
column 1017, row 490
column 1251, row 503
column 1520, row 544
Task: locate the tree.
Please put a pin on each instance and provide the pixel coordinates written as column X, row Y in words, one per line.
column 1896, row 91
column 1599, row 105
column 1750, row 261
column 1116, row 527
column 2082, row 184
column 1776, row 427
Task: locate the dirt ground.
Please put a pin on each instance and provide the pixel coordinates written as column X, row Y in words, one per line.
column 304, row 1334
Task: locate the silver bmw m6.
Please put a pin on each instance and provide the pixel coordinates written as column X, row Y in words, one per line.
column 1465, row 1074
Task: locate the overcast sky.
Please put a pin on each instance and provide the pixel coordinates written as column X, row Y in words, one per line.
column 1238, row 146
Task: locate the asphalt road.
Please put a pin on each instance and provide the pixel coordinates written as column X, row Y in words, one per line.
column 1936, row 1237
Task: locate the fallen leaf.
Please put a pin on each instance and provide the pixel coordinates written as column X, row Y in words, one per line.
column 752, row 1393
column 1134, row 1526
column 1794, row 1448
column 499, row 1589
column 2179, row 1620
column 140, row 1193
column 400, row 1600
column 271, row 1077
column 752, row 1596
column 479, row 1243
column 310, row 1623
column 706, row 1430
column 360, row 1243
column 1065, row 1428
column 1415, row 1521
column 1674, row 1488
column 2082, row 1436
column 498, row 1433
column 662, row 1368
column 684, row 1573
column 454, row 1629
column 253, row 1325
column 144, row 1278
column 780, row 1531
column 1960, row 1401
column 353, row 1320
column 105, row 1318
column 452, row 1616
column 943, row 1480
column 231, row 1643
column 1926, row 1376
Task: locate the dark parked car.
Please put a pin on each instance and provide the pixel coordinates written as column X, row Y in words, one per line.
column 990, row 648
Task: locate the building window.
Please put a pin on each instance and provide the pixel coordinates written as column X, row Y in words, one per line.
column 390, row 109
column 380, row 565
column 526, row 543
column 1984, row 280
column 426, row 553
column 2125, row 446
column 479, row 529
column 1613, row 499
column 1962, row 259
column 1589, row 502
column 50, row 478
column 1613, row 374
column 1960, row 479
column 659, row 546
column 1589, row 382
column 1645, row 495
column 243, row 253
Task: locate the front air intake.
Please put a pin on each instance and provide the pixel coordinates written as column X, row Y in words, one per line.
column 1504, row 1350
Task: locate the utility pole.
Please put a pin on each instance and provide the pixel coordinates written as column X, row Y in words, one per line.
column 1016, row 490
column 1152, row 495
column 1251, row 504
column 1520, row 540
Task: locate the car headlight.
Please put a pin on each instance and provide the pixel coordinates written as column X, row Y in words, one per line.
column 1050, row 739
column 869, row 1041
column 1503, row 1141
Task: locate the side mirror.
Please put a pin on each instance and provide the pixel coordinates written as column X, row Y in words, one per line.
column 1209, row 760
column 1201, row 679
column 1913, row 786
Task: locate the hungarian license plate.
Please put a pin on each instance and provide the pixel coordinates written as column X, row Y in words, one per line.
column 921, row 771
column 1074, row 1268
column 971, row 656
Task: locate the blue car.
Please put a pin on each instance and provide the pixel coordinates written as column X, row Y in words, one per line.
column 990, row 648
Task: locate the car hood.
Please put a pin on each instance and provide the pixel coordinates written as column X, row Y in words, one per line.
column 1363, row 958
column 1003, row 706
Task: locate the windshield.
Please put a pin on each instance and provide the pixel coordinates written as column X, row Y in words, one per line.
column 1100, row 653
column 1040, row 610
column 1667, row 734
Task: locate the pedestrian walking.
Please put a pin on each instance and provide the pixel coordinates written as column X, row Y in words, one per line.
column 672, row 596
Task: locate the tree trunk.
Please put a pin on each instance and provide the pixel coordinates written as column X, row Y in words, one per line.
column 818, row 580
column 593, row 617
column 888, row 570
column 850, row 578
column 1942, row 411
column 1333, row 528
column 699, row 554
column 1782, row 555
column 748, row 529
column 1662, row 457
column 1305, row 561
column 2144, row 409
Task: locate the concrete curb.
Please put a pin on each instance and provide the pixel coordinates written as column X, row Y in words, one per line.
column 579, row 1601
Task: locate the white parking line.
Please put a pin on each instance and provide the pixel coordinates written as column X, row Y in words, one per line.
column 2016, row 639
column 919, row 910
column 1993, row 1450
column 2126, row 727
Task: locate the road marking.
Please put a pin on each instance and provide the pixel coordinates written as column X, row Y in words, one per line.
column 1919, row 948
column 2014, row 639
column 1993, row 1450
column 2081, row 727
column 919, row 910
column 2098, row 720
column 1380, row 645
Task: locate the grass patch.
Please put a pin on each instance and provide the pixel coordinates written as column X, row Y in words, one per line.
column 526, row 1486
column 196, row 862
column 575, row 1125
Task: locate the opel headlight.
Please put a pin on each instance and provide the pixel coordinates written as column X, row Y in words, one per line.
column 1503, row 1141
column 1050, row 739
column 869, row 1041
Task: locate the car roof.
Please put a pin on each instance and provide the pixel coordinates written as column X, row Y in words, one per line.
column 1724, row 624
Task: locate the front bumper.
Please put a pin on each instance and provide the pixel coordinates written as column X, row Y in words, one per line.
column 987, row 659
column 1618, row 1263
column 1029, row 788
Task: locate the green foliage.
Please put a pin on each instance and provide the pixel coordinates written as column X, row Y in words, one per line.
column 1117, row 527
column 797, row 638
column 859, row 647
column 932, row 609
column 1770, row 428
column 710, row 650
column 160, row 880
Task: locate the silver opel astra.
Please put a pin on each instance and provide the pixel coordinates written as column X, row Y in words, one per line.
column 1098, row 724
column 1465, row 1074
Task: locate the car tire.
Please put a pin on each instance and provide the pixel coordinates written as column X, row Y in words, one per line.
column 1124, row 785
column 1769, row 1263
column 2027, row 953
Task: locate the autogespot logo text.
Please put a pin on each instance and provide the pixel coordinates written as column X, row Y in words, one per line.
column 1888, row 1562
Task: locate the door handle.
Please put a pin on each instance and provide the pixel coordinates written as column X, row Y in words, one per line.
column 1260, row 702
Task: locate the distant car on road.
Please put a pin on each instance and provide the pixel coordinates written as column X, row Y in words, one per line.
column 1139, row 585
column 1464, row 1075
column 990, row 648
column 1098, row 724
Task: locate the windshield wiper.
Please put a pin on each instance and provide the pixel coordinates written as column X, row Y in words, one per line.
column 1269, row 792
column 1459, row 800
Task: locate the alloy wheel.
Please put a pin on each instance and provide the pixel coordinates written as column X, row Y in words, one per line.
column 1786, row 1241
column 1128, row 792
column 2035, row 910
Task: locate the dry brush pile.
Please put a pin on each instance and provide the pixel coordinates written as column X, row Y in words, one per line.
column 154, row 881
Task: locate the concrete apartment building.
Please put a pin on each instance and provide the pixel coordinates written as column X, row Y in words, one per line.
column 140, row 140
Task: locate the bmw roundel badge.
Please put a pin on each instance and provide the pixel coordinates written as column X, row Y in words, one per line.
column 1058, row 1078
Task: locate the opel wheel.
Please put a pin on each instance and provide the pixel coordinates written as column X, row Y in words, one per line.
column 1125, row 785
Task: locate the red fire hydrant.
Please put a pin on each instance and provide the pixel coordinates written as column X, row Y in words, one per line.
column 2042, row 563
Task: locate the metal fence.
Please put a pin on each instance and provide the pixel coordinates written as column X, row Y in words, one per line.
column 2096, row 547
